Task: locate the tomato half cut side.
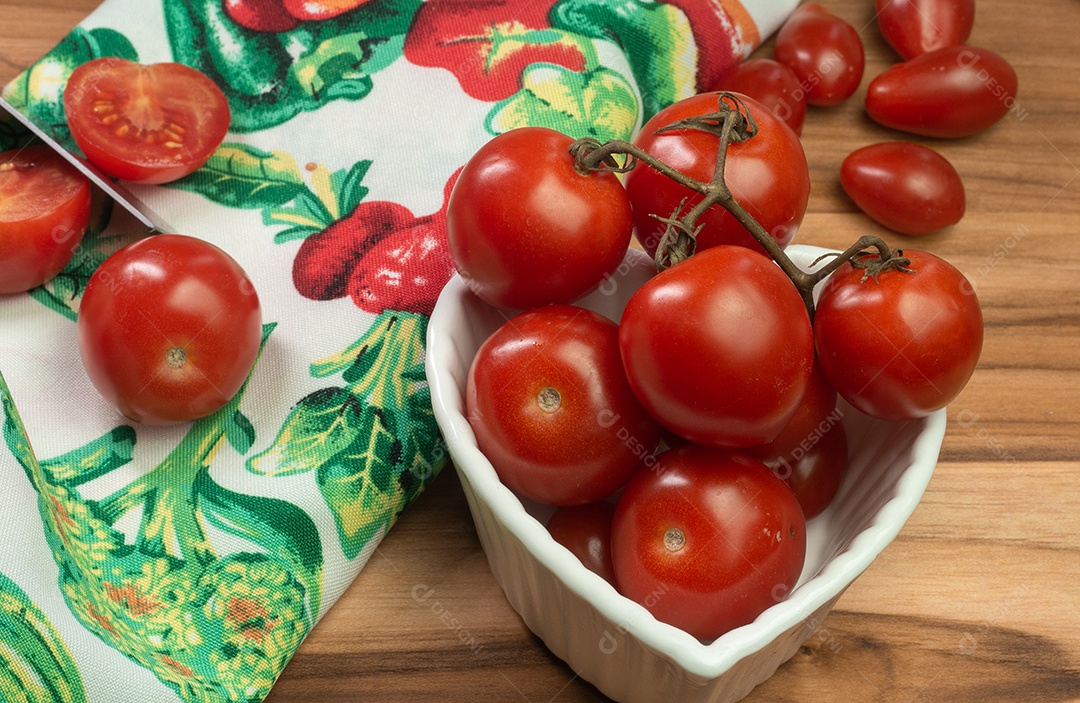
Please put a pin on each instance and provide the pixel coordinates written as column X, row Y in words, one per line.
column 44, row 210
column 145, row 123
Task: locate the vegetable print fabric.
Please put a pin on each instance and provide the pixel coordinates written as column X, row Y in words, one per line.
column 188, row 563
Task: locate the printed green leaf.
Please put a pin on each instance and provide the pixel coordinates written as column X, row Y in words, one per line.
column 654, row 37
column 347, row 183
column 36, row 665
column 240, row 433
column 335, row 69
column 360, row 484
column 304, row 216
column 112, row 43
column 242, row 176
column 320, row 426
column 15, row 433
column 92, row 460
column 598, row 103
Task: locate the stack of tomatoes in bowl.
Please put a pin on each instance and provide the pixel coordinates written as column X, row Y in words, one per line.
column 664, row 480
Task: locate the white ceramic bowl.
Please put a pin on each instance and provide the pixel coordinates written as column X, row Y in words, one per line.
column 612, row 641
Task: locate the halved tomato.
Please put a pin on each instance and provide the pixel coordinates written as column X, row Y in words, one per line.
column 145, row 123
column 44, row 210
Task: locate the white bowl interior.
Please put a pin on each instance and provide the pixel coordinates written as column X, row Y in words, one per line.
column 612, row 641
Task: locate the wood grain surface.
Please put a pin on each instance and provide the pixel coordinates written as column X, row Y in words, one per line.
column 976, row 600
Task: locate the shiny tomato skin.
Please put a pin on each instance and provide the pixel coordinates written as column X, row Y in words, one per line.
column 811, row 452
column 525, row 228
column 906, row 187
column 743, row 539
column 145, row 123
column 772, row 84
column 719, row 348
column 914, row 27
column 904, row 345
column 953, row 92
column 767, row 174
column 586, row 531
column 551, row 409
column 158, row 295
column 44, row 211
column 825, row 53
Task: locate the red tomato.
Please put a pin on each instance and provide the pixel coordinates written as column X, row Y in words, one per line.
column 719, row 348
column 321, row 9
column 550, row 406
column 767, row 174
column 169, row 328
column 772, row 84
column 707, row 540
column 261, row 15
column 147, row 124
column 903, row 186
column 44, row 210
column 586, row 531
column 952, row 92
column 903, row 345
column 810, row 453
column 824, row 52
column 525, row 228
column 914, row 27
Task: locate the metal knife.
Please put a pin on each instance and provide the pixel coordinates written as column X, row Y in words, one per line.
column 153, row 223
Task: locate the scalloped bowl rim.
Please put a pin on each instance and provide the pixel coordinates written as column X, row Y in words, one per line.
column 705, row 660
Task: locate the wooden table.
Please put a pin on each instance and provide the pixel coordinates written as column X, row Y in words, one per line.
column 977, row 598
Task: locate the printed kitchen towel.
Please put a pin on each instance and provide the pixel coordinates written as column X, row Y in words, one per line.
column 150, row 564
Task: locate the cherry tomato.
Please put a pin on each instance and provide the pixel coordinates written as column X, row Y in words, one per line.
column 767, row 174
column 914, row 27
column 811, row 452
column 903, row 186
column 261, row 15
column 321, row 9
column 169, row 328
column 586, row 531
column 901, row 345
column 824, row 52
column 525, row 228
column 772, row 84
column 44, row 210
column 147, row 124
column 719, row 348
column 551, row 409
column 707, row 540
column 952, row 92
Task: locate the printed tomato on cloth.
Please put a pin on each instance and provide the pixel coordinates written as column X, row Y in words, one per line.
column 188, row 562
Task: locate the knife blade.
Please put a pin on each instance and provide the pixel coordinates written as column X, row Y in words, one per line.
column 152, row 221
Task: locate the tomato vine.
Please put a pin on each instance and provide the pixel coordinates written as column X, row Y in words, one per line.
column 731, row 123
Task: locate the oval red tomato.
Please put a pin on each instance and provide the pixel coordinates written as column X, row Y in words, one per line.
column 914, row 27
column 707, row 540
column 767, row 175
column 169, row 328
column 772, row 84
column 586, row 531
column 719, row 348
column 551, row 409
column 902, row 345
column 147, row 124
column 824, row 52
column 903, row 186
column 44, row 211
column 525, row 228
column 952, row 92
